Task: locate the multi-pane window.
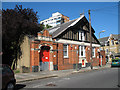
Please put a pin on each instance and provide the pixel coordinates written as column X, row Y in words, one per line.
column 82, row 51
column 106, row 50
column 107, row 43
column 65, row 51
column 112, row 42
column 93, row 52
column 81, row 35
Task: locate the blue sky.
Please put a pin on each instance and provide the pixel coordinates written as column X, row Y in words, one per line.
column 104, row 15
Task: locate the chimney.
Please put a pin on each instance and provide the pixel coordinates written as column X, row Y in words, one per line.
column 81, row 14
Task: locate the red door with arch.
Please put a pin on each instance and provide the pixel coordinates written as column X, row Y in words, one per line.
column 44, row 57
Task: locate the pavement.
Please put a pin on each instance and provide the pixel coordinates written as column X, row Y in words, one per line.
column 22, row 77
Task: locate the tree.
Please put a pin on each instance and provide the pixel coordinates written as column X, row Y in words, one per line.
column 16, row 23
column 48, row 26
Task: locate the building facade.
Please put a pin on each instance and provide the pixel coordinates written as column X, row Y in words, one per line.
column 56, row 19
column 111, row 45
column 65, row 47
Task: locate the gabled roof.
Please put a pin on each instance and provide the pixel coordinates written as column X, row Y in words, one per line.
column 102, row 40
column 116, row 36
column 55, row 31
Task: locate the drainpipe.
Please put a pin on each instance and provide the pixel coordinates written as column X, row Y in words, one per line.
column 101, row 60
column 57, row 55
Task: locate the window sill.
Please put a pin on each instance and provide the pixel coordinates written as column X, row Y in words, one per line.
column 66, row 57
column 82, row 56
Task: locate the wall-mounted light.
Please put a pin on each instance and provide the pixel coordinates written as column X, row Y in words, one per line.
column 75, row 47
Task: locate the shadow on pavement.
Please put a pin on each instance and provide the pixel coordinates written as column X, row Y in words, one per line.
column 115, row 67
column 19, row 86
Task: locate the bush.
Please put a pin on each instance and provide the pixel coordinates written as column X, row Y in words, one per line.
column 16, row 71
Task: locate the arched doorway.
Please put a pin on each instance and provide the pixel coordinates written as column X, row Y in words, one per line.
column 44, row 58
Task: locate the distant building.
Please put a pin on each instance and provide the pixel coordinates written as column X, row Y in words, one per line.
column 56, row 19
column 111, row 45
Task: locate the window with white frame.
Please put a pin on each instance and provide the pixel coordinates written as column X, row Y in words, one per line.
column 112, row 42
column 82, row 51
column 65, row 51
column 81, row 35
column 93, row 52
column 106, row 50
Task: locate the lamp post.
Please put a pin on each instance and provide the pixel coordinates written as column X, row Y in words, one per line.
column 91, row 60
column 101, row 32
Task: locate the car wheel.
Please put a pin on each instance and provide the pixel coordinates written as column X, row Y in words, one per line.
column 10, row 86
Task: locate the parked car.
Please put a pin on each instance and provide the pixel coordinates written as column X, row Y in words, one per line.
column 8, row 78
column 115, row 63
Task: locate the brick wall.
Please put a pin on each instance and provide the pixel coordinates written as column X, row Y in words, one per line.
column 34, row 55
column 103, row 54
column 67, row 63
column 96, row 58
column 55, row 55
column 66, row 19
column 34, row 52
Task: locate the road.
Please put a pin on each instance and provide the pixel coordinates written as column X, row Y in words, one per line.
column 105, row 78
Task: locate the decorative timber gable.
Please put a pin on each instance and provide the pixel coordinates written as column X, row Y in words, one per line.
column 78, row 31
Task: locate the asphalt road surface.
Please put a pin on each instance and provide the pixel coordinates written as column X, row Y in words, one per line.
column 105, row 78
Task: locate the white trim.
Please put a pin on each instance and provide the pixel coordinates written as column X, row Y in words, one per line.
column 76, row 42
column 45, row 38
column 76, row 21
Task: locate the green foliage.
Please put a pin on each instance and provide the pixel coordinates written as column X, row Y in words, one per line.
column 16, row 71
column 48, row 26
column 116, row 59
column 17, row 23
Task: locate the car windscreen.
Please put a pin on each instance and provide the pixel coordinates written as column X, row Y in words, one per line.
column 114, row 60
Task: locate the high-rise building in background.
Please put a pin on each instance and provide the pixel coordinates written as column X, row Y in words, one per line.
column 56, row 19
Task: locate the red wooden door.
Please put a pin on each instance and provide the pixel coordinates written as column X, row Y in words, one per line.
column 44, row 55
column 82, row 62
